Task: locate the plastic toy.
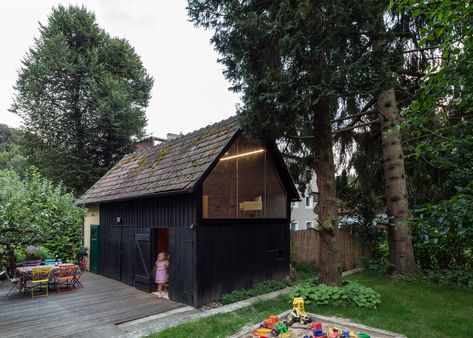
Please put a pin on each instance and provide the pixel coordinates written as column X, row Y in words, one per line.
column 298, row 314
column 261, row 332
column 319, row 334
column 274, row 325
column 334, row 332
column 316, row 326
column 281, row 327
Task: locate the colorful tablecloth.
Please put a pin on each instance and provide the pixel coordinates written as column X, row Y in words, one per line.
column 23, row 273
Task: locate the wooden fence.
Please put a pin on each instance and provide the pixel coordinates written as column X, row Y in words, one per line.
column 305, row 249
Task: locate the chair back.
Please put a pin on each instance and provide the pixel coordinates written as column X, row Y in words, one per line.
column 68, row 270
column 10, row 278
column 40, row 273
column 33, row 263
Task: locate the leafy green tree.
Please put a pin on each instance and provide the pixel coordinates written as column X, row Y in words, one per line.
column 440, row 122
column 10, row 153
column 35, row 211
column 82, row 95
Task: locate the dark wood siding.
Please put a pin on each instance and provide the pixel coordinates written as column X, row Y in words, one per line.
column 235, row 254
column 176, row 211
column 182, row 268
column 117, row 240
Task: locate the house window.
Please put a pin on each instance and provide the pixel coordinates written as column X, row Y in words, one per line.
column 308, row 202
column 294, row 225
column 244, row 184
column 294, row 205
column 309, row 225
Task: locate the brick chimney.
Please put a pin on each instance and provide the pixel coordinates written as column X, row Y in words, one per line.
column 148, row 142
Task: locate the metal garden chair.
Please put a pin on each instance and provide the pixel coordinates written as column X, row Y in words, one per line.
column 15, row 282
column 66, row 277
column 40, row 276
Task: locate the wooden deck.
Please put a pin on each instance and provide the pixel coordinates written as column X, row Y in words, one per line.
column 101, row 302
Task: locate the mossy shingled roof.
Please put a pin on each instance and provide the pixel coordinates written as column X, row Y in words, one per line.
column 173, row 166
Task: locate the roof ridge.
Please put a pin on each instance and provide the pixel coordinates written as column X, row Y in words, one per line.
column 180, row 137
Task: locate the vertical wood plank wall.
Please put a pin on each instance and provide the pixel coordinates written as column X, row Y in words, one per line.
column 234, row 255
column 207, row 259
column 305, row 248
column 178, row 213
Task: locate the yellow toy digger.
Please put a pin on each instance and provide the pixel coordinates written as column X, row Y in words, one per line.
column 298, row 314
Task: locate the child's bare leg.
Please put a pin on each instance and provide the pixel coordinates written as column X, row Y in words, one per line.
column 160, row 290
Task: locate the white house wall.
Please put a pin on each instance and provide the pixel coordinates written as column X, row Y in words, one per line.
column 300, row 213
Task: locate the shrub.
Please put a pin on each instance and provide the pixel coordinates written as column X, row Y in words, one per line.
column 255, row 290
column 44, row 253
column 351, row 293
column 450, row 278
column 20, row 255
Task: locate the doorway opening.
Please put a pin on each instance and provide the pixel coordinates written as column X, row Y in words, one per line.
column 161, row 246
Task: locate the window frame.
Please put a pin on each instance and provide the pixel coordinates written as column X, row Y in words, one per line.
column 296, row 225
column 311, row 225
column 311, row 204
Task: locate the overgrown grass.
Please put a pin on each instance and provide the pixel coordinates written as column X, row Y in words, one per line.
column 413, row 308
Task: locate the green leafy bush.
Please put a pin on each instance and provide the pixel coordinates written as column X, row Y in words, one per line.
column 450, row 278
column 44, row 253
column 255, row 290
column 20, row 255
column 35, row 212
column 351, row 293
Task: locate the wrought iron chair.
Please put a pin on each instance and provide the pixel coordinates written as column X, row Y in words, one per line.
column 66, row 277
column 15, row 282
column 40, row 276
column 77, row 275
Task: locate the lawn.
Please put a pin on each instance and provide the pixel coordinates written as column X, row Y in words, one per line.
column 413, row 308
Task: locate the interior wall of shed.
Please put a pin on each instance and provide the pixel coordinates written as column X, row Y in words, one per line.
column 244, row 184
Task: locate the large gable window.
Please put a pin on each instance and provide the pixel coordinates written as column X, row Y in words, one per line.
column 244, row 184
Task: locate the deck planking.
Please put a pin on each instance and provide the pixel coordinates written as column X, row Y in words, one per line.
column 102, row 301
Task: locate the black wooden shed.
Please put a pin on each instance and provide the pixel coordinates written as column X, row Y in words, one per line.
column 218, row 203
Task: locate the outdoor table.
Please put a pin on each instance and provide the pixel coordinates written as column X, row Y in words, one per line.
column 23, row 273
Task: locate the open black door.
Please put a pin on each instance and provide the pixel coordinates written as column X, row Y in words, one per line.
column 182, row 265
column 143, row 260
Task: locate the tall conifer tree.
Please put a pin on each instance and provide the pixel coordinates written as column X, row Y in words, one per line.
column 82, row 95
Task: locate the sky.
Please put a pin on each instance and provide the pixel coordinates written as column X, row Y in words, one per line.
column 189, row 90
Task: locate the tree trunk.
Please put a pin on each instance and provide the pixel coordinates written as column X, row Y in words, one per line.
column 401, row 252
column 11, row 259
column 329, row 264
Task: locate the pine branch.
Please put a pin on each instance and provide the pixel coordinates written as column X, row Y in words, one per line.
column 421, row 49
column 373, row 111
column 357, row 126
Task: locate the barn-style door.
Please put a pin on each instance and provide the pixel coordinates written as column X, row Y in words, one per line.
column 182, row 265
column 121, row 261
column 143, row 259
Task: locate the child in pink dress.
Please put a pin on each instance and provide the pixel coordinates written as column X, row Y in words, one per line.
column 162, row 275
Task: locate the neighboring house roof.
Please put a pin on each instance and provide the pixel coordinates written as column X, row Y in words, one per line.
column 175, row 166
